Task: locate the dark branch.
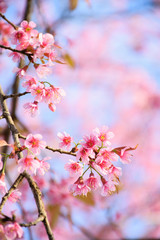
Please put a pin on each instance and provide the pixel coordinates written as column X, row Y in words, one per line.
column 15, row 50
column 35, row 189
column 13, row 25
column 15, row 95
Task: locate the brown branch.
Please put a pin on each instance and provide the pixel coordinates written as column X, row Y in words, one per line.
column 35, row 189
column 12, row 24
column 39, row 219
column 60, row 151
column 54, row 149
column 16, row 50
column 13, row 187
column 15, row 95
column 1, row 117
column 13, row 219
column 28, row 10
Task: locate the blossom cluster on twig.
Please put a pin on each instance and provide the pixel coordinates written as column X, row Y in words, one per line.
column 95, row 156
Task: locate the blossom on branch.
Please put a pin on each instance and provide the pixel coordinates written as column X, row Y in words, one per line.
column 34, row 143
column 66, row 140
column 13, row 231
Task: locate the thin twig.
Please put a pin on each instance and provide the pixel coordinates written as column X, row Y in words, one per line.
column 33, row 185
column 1, row 117
column 15, row 95
column 39, row 219
column 60, row 151
column 16, row 50
column 53, row 149
column 13, row 187
column 12, row 24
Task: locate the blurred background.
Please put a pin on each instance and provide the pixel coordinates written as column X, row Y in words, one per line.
column 111, row 77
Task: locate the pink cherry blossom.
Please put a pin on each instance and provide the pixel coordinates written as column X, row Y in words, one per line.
column 108, row 186
column 90, row 141
column 1, row 162
column 108, row 155
column 43, row 71
column 34, row 143
column 84, row 153
column 46, row 39
column 125, row 156
column 28, row 27
column 31, row 108
column 102, row 165
column 16, row 56
column 79, row 188
column 38, row 92
column 15, row 196
column 3, row 6
column 3, row 187
column 116, row 171
column 13, row 231
column 43, row 166
column 52, row 107
column 19, row 36
column 29, row 82
column 104, row 135
column 21, row 72
column 29, row 164
column 58, row 93
column 1, row 231
column 49, row 94
column 93, row 182
column 74, row 168
column 66, row 140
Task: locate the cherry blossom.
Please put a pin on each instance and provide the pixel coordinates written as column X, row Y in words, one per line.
column 13, row 231
column 16, row 56
column 31, row 108
column 90, row 141
column 74, row 168
column 79, row 188
column 3, row 187
column 93, row 182
column 29, row 82
column 1, row 162
column 29, row 164
column 43, row 166
column 108, row 155
column 84, row 154
column 66, row 140
column 108, row 186
column 34, row 143
column 104, row 135
column 15, row 196
column 38, row 92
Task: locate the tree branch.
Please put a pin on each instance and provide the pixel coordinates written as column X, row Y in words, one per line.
column 54, row 149
column 39, row 219
column 35, row 189
column 15, row 95
column 15, row 50
column 12, row 24
column 60, row 151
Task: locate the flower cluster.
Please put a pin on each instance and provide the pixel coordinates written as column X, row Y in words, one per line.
column 40, row 50
column 31, row 163
column 95, row 155
column 5, row 31
column 11, row 231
